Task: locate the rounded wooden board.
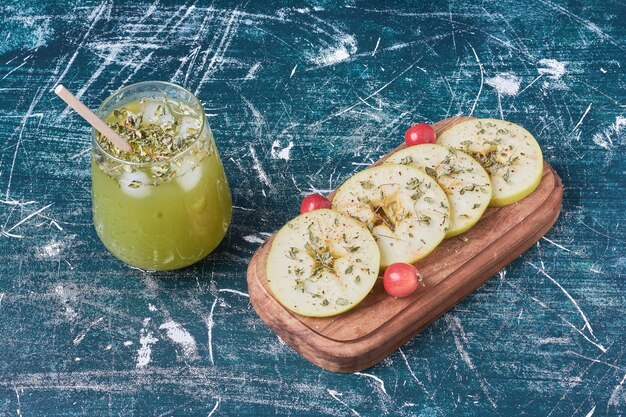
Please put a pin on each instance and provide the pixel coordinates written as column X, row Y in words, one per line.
column 365, row 335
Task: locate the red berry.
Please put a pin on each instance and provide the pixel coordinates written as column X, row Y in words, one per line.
column 313, row 202
column 419, row 134
column 401, row 279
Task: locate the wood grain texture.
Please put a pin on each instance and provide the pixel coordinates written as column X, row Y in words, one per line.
column 367, row 334
column 300, row 97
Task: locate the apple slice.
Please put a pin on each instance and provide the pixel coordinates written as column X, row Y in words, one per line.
column 508, row 152
column 405, row 209
column 461, row 177
column 322, row 263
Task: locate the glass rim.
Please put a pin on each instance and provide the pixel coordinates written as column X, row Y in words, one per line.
column 150, row 163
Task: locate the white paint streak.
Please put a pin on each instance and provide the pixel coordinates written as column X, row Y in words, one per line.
column 604, row 139
column 555, row 244
column 370, row 106
column 259, row 169
column 64, row 298
column 420, row 383
column 336, row 396
column 243, row 208
column 315, row 190
column 455, row 324
column 110, row 58
column 259, row 120
column 595, row 360
column 506, row 84
column 209, row 325
column 218, row 57
column 114, row 49
column 590, row 413
column 23, row 123
column 375, row 378
column 253, row 239
column 463, row 352
column 347, row 109
column 563, row 319
column 482, row 80
column 217, row 405
column 531, row 83
column 554, row 340
column 146, row 340
column 552, row 68
column 191, row 58
column 285, row 152
column 582, row 118
column 95, row 16
column 78, row 339
column 586, row 23
column 189, row 11
column 376, row 47
column 13, row 235
column 81, row 153
column 573, row 301
column 51, row 250
column 141, row 63
column 55, row 224
column 12, row 202
column 278, row 153
column 243, row 294
column 347, row 46
column 16, row 116
column 614, row 400
column 251, row 73
column 600, row 233
column 179, row 335
column 19, row 403
column 16, row 68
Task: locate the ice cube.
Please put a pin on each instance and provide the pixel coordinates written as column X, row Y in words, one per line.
column 191, row 174
column 187, row 123
column 156, row 112
column 135, row 184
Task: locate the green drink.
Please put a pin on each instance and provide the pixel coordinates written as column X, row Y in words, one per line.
column 167, row 204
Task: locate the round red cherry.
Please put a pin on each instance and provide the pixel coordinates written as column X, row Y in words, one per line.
column 419, row 134
column 401, row 279
column 313, row 202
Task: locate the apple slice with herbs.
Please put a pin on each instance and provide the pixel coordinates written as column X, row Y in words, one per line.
column 508, row 152
column 461, row 177
column 322, row 263
column 406, row 210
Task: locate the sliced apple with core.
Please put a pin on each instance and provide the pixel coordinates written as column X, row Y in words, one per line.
column 508, row 152
column 405, row 209
column 322, row 263
column 462, row 178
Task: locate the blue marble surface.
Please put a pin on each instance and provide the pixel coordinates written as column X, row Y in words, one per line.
column 300, row 97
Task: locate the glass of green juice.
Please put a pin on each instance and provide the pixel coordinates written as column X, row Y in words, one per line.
column 166, row 204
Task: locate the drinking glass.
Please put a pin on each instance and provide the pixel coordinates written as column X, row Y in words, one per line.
column 165, row 214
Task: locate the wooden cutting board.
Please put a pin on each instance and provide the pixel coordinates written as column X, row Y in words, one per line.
column 380, row 324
